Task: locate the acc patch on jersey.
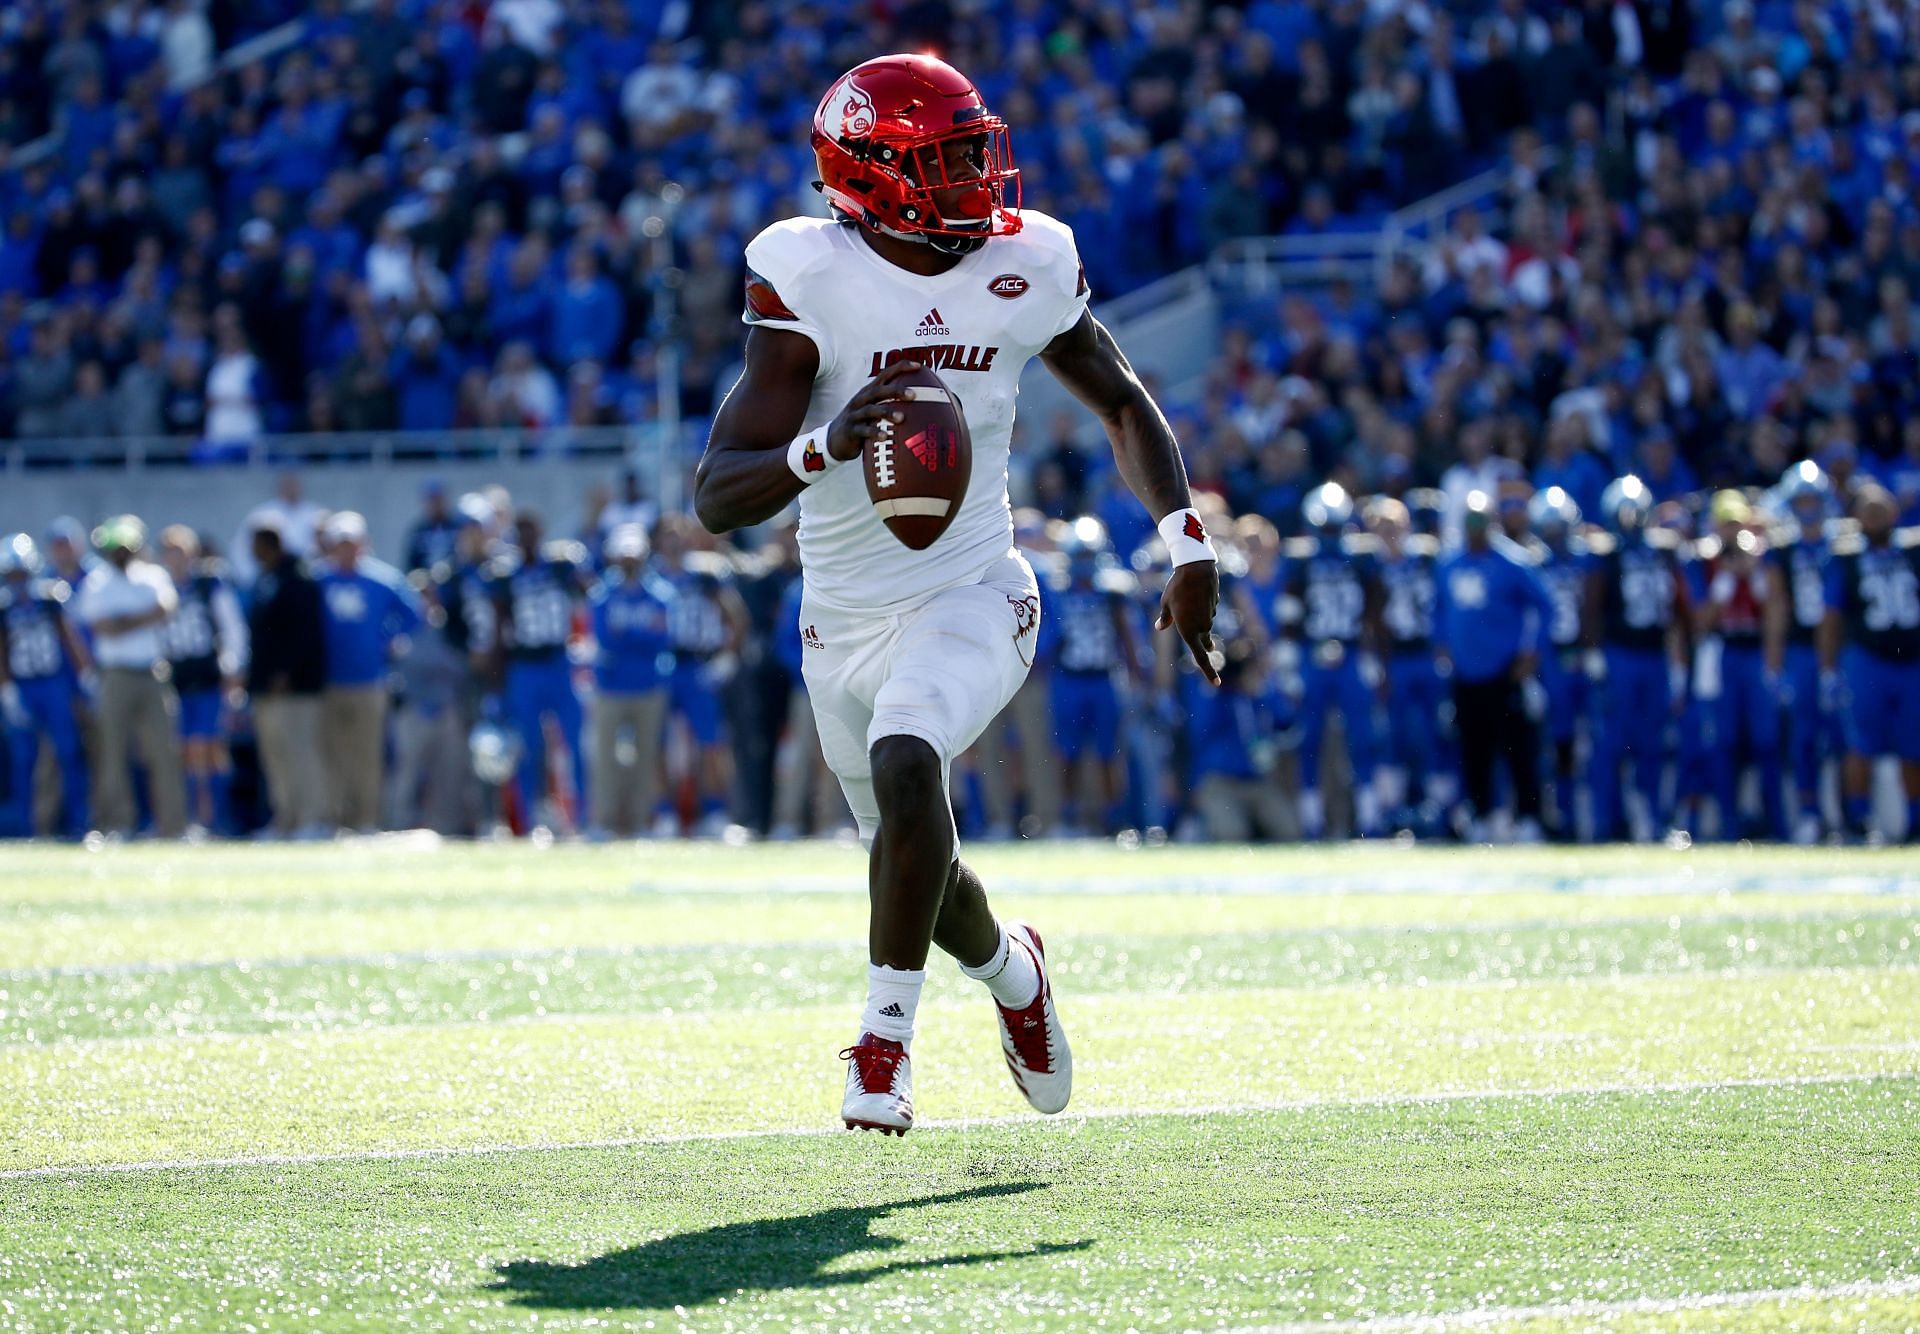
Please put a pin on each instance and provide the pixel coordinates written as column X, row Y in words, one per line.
column 763, row 303
column 1008, row 286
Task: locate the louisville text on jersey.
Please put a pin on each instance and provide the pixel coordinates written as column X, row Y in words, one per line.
column 940, row 357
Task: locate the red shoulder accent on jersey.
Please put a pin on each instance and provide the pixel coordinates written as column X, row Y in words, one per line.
column 763, row 303
column 1193, row 529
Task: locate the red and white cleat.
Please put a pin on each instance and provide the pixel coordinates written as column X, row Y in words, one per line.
column 1035, row 1045
column 879, row 1086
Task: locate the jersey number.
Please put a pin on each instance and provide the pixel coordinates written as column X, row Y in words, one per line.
column 1892, row 600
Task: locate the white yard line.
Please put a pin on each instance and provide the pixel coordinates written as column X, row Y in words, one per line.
column 1483, row 1317
column 963, row 1124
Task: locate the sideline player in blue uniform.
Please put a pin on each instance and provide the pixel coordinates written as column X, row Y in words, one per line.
column 633, row 660
column 1731, row 675
column 1873, row 610
column 1331, row 604
column 1636, row 601
column 537, row 586
column 205, row 641
column 1560, row 559
column 1092, row 656
column 1797, row 606
column 708, row 626
column 1415, row 745
column 42, row 658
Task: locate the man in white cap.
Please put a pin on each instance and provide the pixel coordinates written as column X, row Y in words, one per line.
column 124, row 602
column 367, row 609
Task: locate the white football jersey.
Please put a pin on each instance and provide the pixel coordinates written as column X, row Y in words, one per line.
column 976, row 325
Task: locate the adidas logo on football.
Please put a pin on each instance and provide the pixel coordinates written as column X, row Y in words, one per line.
column 892, row 1010
column 933, row 326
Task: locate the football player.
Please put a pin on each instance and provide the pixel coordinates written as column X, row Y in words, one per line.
column 1415, row 687
column 42, row 658
column 1330, row 603
column 205, row 641
column 928, row 262
column 1560, row 556
column 708, row 626
column 1797, row 606
column 1635, row 659
column 633, row 661
column 1092, row 655
column 1871, row 635
column 537, row 586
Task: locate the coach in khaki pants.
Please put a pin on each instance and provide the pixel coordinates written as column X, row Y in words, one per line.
column 284, row 679
column 368, row 606
column 633, row 660
column 124, row 601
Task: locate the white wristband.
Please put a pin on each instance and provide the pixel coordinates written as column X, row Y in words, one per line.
column 808, row 456
column 1186, row 538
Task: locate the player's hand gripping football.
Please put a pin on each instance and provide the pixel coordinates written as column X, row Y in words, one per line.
column 860, row 420
column 1193, row 594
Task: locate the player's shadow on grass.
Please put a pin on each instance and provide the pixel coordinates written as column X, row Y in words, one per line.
column 693, row 1268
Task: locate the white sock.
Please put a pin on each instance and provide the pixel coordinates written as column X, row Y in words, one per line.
column 893, row 994
column 1010, row 974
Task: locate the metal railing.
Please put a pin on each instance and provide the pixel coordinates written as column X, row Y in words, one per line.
column 261, row 46
column 1262, row 264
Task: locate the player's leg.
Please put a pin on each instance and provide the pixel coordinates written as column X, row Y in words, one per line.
column 1864, row 706
column 1358, row 702
column 1650, row 709
column 1907, row 730
column 1803, row 736
column 958, row 662
column 524, row 712
column 1760, row 701
column 570, row 718
column 1317, row 695
column 1104, row 742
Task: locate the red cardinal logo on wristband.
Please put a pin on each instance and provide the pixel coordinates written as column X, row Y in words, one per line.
column 811, row 460
column 1193, row 529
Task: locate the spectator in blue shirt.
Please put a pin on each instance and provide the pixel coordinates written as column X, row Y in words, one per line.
column 1490, row 611
column 368, row 608
column 633, row 661
column 426, row 377
column 586, row 311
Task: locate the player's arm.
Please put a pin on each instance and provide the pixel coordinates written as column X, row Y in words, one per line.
column 747, row 474
column 1090, row 364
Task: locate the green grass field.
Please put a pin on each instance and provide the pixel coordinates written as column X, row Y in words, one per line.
column 378, row 1084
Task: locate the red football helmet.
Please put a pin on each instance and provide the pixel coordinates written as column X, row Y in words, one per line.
column 878, row 136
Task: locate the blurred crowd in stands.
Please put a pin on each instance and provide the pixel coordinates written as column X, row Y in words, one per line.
column 455, row 213
column 1699, row 267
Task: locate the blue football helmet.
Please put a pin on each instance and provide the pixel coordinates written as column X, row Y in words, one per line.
column 1626, row 503
column 18, row 555
column 1551, row 508
column 1806, row 491
column 1327, row 507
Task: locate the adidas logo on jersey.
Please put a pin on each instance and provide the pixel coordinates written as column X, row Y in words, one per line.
column 811, row 638
column 933, row 326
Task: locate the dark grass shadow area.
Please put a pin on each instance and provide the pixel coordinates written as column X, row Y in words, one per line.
column 692, row 1268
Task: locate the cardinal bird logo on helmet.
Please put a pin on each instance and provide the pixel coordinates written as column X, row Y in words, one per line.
column 856, row 111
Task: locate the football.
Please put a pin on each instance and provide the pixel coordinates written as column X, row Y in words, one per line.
column 918, row 468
